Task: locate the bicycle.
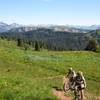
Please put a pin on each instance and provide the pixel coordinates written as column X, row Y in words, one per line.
column 78, row 89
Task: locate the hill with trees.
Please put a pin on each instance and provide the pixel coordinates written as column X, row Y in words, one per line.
column 54, row 40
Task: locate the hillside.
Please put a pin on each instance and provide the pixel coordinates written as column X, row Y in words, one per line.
column 52, row 37
column 55, row 40
column 32, row 75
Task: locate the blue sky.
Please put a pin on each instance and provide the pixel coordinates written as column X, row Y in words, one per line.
column 76, row 12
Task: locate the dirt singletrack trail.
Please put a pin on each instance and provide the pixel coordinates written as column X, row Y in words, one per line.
column 60, row 94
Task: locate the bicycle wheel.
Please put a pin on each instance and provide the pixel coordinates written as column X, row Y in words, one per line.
column 66, row 86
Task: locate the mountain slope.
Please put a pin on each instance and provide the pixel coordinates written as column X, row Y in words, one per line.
column 55, row 40
column 32, row 75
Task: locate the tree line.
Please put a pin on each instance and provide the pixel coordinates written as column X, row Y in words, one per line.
column 58, row 41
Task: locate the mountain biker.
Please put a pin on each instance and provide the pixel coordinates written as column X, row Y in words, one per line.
column 80, row 81
column 71, row 76
column 80, row 84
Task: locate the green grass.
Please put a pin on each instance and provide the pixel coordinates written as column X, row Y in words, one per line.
column 24, row 74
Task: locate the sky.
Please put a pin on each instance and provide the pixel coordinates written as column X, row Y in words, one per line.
column 61, row 12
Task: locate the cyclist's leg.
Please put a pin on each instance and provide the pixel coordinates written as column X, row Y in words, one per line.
column 82, row 94
column 76, row 93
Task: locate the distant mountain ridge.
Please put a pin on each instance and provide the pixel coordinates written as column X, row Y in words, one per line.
column 92, row 27
column 5, row 27
column 14, row 27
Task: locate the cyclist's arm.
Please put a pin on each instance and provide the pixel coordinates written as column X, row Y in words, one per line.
column 84, row 81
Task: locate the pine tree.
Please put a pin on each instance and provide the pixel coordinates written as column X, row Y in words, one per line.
column 37, row 47
column 92, row 45
column 19, row 42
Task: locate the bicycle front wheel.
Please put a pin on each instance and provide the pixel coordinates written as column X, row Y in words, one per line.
column 66, row 86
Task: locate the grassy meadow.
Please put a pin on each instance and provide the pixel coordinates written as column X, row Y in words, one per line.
column 31, row 75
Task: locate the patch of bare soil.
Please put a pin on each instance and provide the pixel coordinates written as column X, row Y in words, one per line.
column 60, row 94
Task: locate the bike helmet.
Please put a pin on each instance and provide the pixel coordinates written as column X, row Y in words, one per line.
column 70, row 68
column 80, row 73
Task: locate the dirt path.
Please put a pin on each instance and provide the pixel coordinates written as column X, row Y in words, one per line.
column 60, row 94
